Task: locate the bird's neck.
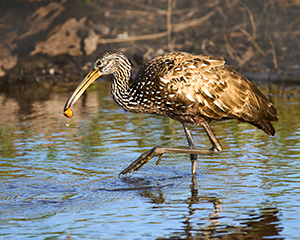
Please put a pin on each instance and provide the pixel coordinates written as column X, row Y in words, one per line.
column 120, row 86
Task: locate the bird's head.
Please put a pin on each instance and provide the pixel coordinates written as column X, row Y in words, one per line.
column 107, row 62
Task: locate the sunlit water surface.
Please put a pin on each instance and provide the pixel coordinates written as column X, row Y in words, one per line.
column 60, row 182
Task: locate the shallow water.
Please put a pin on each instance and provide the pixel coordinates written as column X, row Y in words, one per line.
column 60, row 182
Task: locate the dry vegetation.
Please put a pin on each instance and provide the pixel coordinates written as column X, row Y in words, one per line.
column 56, row 39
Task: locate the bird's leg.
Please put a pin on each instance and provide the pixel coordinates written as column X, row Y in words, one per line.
column 159, row 151
column 191, row 145
column 216, row 148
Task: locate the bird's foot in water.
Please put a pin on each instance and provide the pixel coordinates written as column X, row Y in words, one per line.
column 159, row 151
column 143, row 159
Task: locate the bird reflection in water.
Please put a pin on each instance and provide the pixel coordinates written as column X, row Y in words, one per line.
column 198, row 226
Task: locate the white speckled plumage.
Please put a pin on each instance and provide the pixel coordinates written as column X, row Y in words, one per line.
column 196, row 89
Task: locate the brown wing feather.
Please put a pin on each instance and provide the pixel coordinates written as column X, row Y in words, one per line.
column 252, row 106
column 193, row 88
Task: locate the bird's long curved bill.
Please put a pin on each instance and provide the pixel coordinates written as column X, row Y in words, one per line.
column 86, row 82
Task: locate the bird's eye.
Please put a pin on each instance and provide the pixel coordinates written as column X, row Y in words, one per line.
column 98, row 64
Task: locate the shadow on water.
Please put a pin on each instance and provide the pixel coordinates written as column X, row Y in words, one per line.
column 59, row 182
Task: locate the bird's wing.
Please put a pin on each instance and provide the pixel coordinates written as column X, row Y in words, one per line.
column 207, row 85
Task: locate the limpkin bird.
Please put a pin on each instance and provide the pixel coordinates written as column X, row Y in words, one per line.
column 192, row 89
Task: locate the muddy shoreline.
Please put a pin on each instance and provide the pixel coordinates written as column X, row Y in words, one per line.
column 54, row 44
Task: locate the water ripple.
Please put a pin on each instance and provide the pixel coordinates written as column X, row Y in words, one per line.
column 61, row 182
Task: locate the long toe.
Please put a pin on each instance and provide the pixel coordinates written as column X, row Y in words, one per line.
column 140, row 162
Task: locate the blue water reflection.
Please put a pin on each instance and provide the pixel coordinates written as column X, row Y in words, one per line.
column 61, row 182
